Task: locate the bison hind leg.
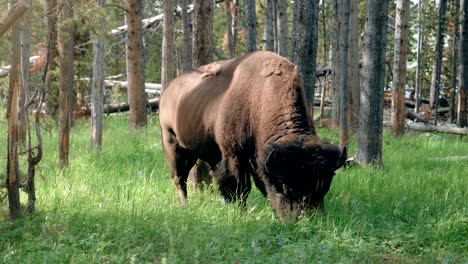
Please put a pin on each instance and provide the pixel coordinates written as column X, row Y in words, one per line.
column 180, row 161
column 233, row 180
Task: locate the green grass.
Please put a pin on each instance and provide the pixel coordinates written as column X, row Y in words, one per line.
column 121, row 207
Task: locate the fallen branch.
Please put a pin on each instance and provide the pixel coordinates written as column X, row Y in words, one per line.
column 442, row 129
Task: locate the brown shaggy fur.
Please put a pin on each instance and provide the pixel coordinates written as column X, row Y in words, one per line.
column 248, row 116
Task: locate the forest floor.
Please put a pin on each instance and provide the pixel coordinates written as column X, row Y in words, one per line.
column 121, row 207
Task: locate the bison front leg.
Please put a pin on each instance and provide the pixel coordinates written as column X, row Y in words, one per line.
column 233, row 180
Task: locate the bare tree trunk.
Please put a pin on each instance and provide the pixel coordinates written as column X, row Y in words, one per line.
column 282, row 23
column 437, row 69
column 399, row 67
column 14, row 13
column 26, row 32
column 167, row 58
column 97, row 97
column 187, row 54
column 269, row 32
column 230, row 33
column 65, row 46
column 453, row 72
column 50, row 77
column 135, row 64
column 417, row 91
column 12, row 177
column 304, row 44
column 234, row 9
column 202, row 32
column 462, row 97
column 369, row 146
column 353, row 68
column 344, row 89
column 250, row 25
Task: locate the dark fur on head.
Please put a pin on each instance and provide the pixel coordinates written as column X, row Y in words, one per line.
column 302, row 171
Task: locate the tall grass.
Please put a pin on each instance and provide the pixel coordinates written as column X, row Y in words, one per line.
column 121, row 207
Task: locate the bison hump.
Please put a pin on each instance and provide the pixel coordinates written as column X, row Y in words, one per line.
column 271, row 67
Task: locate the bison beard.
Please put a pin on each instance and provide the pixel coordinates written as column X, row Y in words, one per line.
column 248, row 117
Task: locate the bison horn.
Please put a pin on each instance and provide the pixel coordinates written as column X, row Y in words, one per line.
column 268, row 162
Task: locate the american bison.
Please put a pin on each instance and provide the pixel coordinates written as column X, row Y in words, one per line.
column 248, row 117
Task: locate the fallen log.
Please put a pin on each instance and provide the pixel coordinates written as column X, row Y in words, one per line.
column 33, row 62
column 117, row 107
column 13, row 14
column 442, row 129
column 152, row 88
column 410, row 114
column 454, row 158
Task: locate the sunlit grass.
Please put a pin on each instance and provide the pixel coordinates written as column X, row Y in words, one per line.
column 121, row 207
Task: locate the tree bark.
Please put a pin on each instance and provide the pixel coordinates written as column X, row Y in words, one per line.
column 269, row 31
column 12, row 177
column 250, row 25
column 202, row 32
column 462, row 119
column 417, row 91
column 97, row 97
column 167, row 58
column 437, row 69
column 282, row 23
column 135, row 64
column 344, row 88
column 353, row 68
column 399, row 68
column 187, row 28
column 304, row 44
column 65, row 47
column 25, row 46
column 369, row 145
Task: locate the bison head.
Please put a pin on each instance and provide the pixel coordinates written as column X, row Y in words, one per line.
column 301, row 174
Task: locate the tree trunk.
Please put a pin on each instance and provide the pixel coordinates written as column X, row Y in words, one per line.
column 353, row 68
column 335, row 116
column 282, row 22
column 344, row 89
column 269, row 31
column 97, row 97
column 399, row 67
column 463, row 80
column 454, row 66
column 437, row 69
column 417, row 91
column 12, row 177
column 250, row 25
column 230, row 33
column 65, row 47
column 187, row 28
column 135, row 64
column 167, row 58
column 50, row 77
column 369, row 145
column 202, row 32
column 304, row 44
